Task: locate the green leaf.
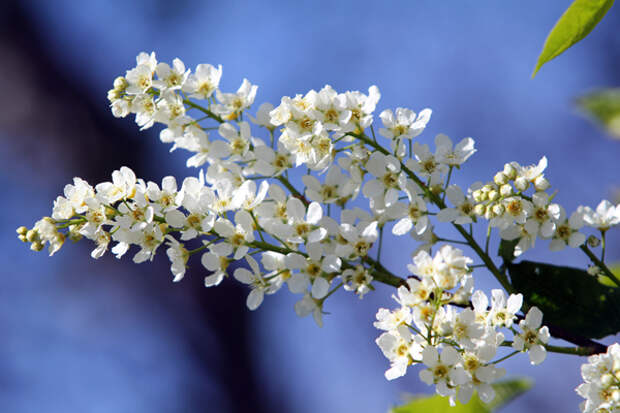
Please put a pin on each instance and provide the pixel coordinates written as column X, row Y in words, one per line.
column 606, row 281
column 508, row 390
column 507, row 249
column 569, row 298
column 575, row 24
column 603, row 107
column 505, row 390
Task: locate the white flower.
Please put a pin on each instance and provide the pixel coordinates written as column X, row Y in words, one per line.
column 178, row 256
column 203, row 82
column 308, row 305
column 480, row 303
column 217, row 264
column 443, row 370
column 170, row 77
column 450, row 267
column 516, row 209
column 400, row 347
column 503, row 311
column 139, row 79
column 426, row 163
column 236, row 237
column 166, row 197
column 122, row 186
column 358, row 239
column 481, row 373
column 238, row 141
column 232, row 104
column 302, row 229
column 533, row 337
column 262, row 116
column 79, row 194
column 390, row 320
column 456, row 156
column 463, row 211
column 361, row 106
column 255, row 280
column 532, row 174
column 466, row 329
column 336, row 186
column 404, row 125
column 388, row 178
column 544, row 214
column 331, row 109
column 269, row 162
column 601, row 387
column 311, row 269
column 605, row 216
column 195, row 140
column 357, row 279
column 46, row 232
column 567, row 231
column 147, row 59
column 149, row 239
column 412, row 216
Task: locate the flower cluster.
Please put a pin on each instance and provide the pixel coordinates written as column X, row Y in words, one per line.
column 524, row 218
column 313, row 235
column 456, row 347
column 601, row 387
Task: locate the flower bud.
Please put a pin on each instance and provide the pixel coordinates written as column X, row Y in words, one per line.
column 22, row 238
column 521, row 183
column 499, row 209
column 505, row 190
column 22, row 230
column 488, row 213
column 607, row 379
column 75, row 236
column 479, row 195
column 510, row 171
column 479, row 209
column 31, row 235
column 500, row 178
column 436, row 189
column 541, row 184
column 593, row 241
column 36, row 246
column 615, row 395
column 120, row 83
column 113, row 95
column 493, row 195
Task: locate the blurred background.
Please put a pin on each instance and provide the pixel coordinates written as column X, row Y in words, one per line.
column 112, row 336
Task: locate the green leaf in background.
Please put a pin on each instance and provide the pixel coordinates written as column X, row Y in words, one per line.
column 505, row 390
column 569, row 298
column 615, row 269
column 603, row 107
column 575, row 24
column 507, row 249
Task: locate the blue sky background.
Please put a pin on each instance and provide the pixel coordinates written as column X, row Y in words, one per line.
column 470, row 61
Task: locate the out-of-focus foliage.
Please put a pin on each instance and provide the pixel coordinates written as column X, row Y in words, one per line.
column 603, row 107
column 505, row 392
